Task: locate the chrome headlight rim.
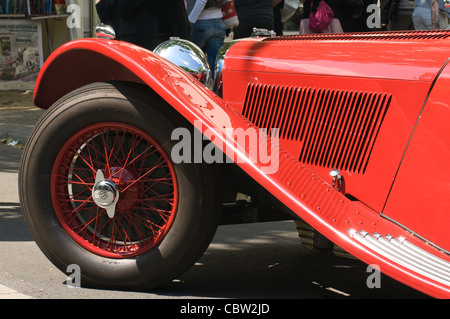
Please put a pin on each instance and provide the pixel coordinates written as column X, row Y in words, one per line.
column 187, row 56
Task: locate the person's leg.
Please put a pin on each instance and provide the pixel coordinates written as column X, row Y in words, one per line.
column 422, row 18
column 215, row 42
column 201, row 32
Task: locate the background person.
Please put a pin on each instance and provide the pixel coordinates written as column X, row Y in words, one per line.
column 335, row 25
column 278, row 17
column 396, row 15
column 421, row 16
column 107, row 15
column 253, row 14
column 208, row 30
column 148, row 23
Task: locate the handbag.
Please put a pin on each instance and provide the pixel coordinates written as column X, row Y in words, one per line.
column 320, row 19
column 230, row 18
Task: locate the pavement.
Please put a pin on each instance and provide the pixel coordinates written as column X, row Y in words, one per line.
column 8, row 293
column 18, row 116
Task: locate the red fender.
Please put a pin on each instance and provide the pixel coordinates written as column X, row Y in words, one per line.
column 312, row 199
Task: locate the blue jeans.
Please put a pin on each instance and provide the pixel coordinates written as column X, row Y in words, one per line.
column 209, row 35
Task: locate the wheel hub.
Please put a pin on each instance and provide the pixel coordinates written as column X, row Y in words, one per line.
column 105, row 194
column 130, row 189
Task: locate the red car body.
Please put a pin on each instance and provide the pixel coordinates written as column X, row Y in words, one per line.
column 374, row 106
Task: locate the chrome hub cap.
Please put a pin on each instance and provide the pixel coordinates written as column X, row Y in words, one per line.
column 105, row 194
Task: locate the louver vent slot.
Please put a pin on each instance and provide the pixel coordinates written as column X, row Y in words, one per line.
column 337, row 128
column 368, row 36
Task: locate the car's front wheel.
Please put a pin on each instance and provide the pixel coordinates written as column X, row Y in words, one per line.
column 99, row 190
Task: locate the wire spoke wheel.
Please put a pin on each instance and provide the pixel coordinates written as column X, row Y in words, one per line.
column 98, row 188
column 140, row 171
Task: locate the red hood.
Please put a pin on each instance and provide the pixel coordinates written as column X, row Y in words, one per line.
column 390, row 55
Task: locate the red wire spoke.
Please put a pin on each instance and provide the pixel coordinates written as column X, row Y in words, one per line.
column 145, row 179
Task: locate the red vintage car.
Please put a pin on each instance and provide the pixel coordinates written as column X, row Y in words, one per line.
column 127, row 172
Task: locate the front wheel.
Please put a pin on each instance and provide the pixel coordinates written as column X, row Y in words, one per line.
column 98, row 189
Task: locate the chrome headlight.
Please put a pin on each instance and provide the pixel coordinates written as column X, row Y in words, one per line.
column 187, row 56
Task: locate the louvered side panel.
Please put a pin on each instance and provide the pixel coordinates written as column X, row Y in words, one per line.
column 337, row 128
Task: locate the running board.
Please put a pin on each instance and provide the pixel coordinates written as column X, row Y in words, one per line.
column 406, row 254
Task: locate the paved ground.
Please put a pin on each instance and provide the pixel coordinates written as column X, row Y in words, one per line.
column 18, row 115
column 8, row 293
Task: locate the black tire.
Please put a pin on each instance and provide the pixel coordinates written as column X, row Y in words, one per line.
column 196, row 213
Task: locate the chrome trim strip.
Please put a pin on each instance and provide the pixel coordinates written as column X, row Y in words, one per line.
column 416, row 234
column 406, row 254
